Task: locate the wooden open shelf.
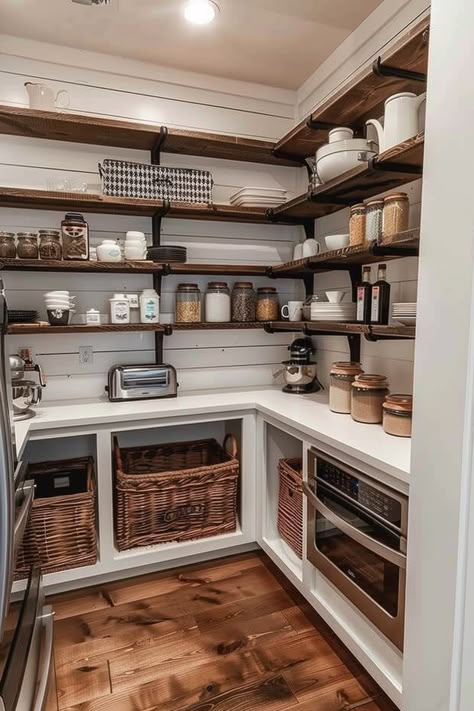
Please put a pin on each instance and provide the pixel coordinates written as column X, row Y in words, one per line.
column 53, row 265
column 79, row 128
column 328, row 328
column 227, row 326
column 34, row 328
column 362, row 98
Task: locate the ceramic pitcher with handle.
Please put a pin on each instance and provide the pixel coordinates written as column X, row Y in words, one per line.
column 43, row 98
column 401, row 120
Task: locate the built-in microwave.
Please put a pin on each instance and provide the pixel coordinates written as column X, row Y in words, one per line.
column 357, row 537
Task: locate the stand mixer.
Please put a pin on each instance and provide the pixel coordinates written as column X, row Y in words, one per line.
column 300, row 372
column 26, row 394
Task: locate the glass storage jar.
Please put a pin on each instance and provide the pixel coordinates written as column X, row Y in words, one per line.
column 342, row 376
column 50, row 244
column 188, row 304
column 357, row 224
column 397, row 415
column 217, row 302
column 27, row 245
column 368, row 395
column 396, row 209
column 243, row 302
column 268, row 306
column 75, row 235
column 374, row 221
column 7, row 245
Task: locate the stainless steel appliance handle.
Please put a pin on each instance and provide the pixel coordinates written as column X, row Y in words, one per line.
column 380, row 549
column 44, row 671
column 22, row 518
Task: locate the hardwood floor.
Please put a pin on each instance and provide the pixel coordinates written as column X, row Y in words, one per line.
column 230, row 635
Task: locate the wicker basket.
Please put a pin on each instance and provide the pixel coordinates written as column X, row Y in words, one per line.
column 290, row 504
column 61, row 533
column 174, row 492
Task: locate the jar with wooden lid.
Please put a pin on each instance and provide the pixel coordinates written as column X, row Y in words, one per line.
column 368, row 396
column 27, row 245
column 243, row 302
column 374, row 221
column 217, row 302
column 7, row 245
column 75, row 235
column 396, row 210
column 397, row 415
column 50, row 244
column 268, row 306
column 188, row 304
column 342, row 376
column 357, row 225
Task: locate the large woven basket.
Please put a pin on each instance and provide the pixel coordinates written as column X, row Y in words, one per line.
column 174, row 492
column 290, row 504
column 61, row 532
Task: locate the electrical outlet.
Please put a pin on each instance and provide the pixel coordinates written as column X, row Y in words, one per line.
column 86, row 355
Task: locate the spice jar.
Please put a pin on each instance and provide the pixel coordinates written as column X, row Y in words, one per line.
column 50, row 244
column 7, row 245
column 374, row 221
column 217, row 302
column 397, row 415
column 268, row 307
column 357, row 224
column 243, row 302
column 368, row 396
column 396, row 209
column 27, row 245
column 75, row 235
column 188, row 304
column 342, row 376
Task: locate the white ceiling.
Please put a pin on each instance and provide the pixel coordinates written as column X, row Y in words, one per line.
column 274, row 42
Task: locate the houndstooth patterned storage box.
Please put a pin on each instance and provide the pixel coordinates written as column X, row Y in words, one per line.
column 140, row 180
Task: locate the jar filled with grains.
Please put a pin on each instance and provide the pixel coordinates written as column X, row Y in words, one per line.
column 396, row 211
column 268, row 307
column 27, row 245
column 342, row 376
column 368, row 395
column 374, row 221
column 217, row 302
column 188, row 304
column 50, row 244
column 397, row 415
column 7, row 245
column 243, row 302
column 357, row 225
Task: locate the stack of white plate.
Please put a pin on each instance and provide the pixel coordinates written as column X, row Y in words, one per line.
column 404, row 313
column 343, row 312
column 259, row 197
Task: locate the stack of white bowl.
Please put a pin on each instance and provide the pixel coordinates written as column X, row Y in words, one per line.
column 135, row 246
column 58, row 303
column 332, row 311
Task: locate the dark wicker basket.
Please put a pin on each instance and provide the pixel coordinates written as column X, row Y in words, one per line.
column 174, row 492
column 61, row 533
column 290, row 504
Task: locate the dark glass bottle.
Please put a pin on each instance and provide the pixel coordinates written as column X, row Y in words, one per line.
column 364, row 292
column 380, row 297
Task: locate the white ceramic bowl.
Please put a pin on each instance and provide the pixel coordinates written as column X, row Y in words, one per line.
column 335, row 164
column 58, row 294
column 335, row 296
column 336, row 241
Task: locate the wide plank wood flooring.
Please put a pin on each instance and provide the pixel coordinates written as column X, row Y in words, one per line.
column 229, row 635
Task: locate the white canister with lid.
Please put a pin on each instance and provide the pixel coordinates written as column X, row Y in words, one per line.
column 109, row 251
column 93, row 317
column 119, row 309
column 149, row 306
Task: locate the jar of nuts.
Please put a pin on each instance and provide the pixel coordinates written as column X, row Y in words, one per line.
column 27, row 245
column 50, row 244
column 243, row 302
column 188, row 304
column 7, row 245
column 357, row 224
column 268, row 308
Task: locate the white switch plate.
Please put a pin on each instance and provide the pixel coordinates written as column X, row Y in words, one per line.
column 86, row 355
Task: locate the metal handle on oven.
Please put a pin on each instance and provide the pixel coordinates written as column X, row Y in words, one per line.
column 22, row 518
column 380, row 549
column 47, row 660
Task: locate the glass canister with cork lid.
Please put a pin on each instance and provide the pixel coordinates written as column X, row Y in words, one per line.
column 268, row 306
column 374, row 221
column 396, row 209
column 397, row 415
column 7, row 245
column 243, row 302
column 342, row 376
column 357, row 225
column 27, row 245
column 217, row 302
column 50, row 244
column 188, row 304
column 368, row 395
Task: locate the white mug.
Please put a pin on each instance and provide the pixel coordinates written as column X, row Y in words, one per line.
column 43, row 98
column 294, row 310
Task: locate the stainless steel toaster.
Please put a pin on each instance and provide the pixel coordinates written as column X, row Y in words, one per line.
column 141, row 382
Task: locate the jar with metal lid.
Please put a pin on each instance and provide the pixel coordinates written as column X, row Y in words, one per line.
column 75, row 235
column 357, row 225
column 7, row 245
column 268, row 306
column 396, row 209
column 397, row 415
column 27, row 245
column 50, row 244
column 342, row 376
column 374, row 221
column 368, row 395
column 217, row 302
column 243, row 302
column 188, row 304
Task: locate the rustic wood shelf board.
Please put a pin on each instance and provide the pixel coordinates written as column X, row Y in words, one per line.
column 326, row 328
column 231, row 326
column 254, row 270
column 33, row 328
column 46, row 265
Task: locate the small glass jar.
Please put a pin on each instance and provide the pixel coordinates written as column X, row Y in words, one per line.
column 357, row 224
column 50, row 244
column 27, row 245
column 397, row 415
column 368, row 396
column 243, row 302
column 188, row 304
column 374, row 221
column 396, row 211
column 7, row 245
column 217, row 302
column 268, row 306
column 342, row 376
column 75, row 235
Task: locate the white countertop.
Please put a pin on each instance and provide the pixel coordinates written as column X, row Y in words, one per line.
column 309, row 414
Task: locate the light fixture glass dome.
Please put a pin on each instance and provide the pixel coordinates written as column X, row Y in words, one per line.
column 200, row 12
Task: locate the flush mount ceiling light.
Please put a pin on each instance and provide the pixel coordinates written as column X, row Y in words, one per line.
column 200, row 12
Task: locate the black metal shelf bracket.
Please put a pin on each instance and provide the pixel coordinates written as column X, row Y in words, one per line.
column 394, row 167
column 286, row 155
column 393, row 251
column 316, row 125
column 386, row 70
column 168, row 329
column 158, row 146
column 354, row 341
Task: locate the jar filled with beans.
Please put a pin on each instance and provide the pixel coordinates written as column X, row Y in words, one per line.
column 268, row 307
column 396, row 211
column 50, row 244
column 374, row 220
column 188, row 304
column 357, row 224
column 243, row 302
column 7, row 245
column 27, row 245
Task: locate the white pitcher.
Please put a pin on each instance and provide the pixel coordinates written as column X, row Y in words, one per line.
column 43, row 98
column 401, row 120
